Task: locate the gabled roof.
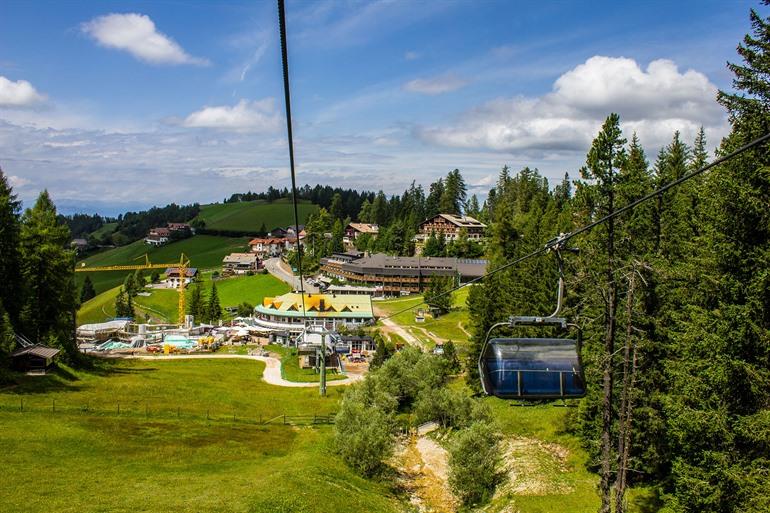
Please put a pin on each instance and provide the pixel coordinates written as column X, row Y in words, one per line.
column 267, row 240
column 459, row 221
column 189, row 272
column 240, row 258
column 37, row 350
column 365, row 227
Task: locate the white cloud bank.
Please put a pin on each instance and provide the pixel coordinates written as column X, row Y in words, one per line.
column 254, row 116
column 435, row 85
column 137, row 35
column 18, row 94
column 653, row 102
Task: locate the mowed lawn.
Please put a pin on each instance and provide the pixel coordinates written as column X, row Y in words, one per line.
column 252, row 215
column 203, row 251
column 72, row 461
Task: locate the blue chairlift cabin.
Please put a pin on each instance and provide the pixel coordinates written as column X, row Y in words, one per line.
column 534, row 368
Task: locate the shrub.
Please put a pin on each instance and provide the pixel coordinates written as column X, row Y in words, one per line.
column 363, row 434
column 475, row 463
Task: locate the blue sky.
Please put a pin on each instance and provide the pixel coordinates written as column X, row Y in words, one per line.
column 124, row 105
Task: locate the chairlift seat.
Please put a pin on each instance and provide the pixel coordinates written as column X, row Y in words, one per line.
column 532, row 368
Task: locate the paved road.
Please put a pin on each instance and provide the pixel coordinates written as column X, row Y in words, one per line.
column 280, row 270
column 271, row 375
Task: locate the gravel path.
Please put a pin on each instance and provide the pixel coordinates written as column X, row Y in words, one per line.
column 271, row 375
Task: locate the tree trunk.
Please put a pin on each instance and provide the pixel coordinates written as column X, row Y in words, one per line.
column 624, row 426
column 609, row 346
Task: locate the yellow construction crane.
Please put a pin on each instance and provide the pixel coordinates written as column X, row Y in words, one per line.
column 181, row 266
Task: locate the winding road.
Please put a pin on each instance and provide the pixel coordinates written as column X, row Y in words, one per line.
column 280, row 270
column 271, row 374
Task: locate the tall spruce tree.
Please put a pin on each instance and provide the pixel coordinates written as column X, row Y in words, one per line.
column 48, row 272
column 603, row 163
column 213, row 308
column 87, row 291
column 10, row 258
column 717, row 410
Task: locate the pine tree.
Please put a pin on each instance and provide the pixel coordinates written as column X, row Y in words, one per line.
column 603, row 162
column 7, row 337
column 718, row 403
column 123, row 305
column 337, row 209
column 128, row 285
column 196, row 304
column 87, row 290
column 453, row 197
column 48, row 272
column 437, row 294
column 433, row 201
column 431, row 246
column 213, row 308
column 10, row 261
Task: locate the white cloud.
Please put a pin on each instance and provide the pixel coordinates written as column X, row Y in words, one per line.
column 256, row 116
column 17, row 181
column 411, row 56
column 137, row 34
column 435, row 85
column 18, row 94
column 654, row 102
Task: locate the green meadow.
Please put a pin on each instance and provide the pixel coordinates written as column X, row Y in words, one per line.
column 97, row 460
column 203, row 251
column 250, row 216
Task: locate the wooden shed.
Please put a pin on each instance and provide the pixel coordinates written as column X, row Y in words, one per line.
column 36, row 358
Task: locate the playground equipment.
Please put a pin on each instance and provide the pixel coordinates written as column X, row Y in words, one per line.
column 181, row 266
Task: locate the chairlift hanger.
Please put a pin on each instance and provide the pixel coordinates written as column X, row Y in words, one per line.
column 534, row 368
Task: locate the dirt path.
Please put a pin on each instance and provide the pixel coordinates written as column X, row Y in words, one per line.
column 271, row 375
column 424, row 473
column 460, row 325
column 401, row 332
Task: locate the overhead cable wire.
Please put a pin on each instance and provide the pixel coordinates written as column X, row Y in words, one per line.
column 287, row 98
column 563, row 238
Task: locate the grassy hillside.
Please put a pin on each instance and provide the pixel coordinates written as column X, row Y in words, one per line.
column 167, row 464
column 452, row 325
column 98, row 309
column 162, row 304
column 232, row 292
column 106, row 229
column 202, row 250
column 251, row 215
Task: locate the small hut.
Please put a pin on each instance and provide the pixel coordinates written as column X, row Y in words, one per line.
column 36, row 358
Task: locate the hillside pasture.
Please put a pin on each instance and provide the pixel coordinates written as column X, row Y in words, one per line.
column 250, row 216
column 204, row 251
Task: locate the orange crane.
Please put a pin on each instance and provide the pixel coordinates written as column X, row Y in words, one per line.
column 181, row 266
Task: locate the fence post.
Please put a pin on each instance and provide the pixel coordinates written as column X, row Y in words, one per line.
column 118, row 408
column 207, row 415
column 284, row 419
column 21, row 404
column 53, row 405
column 146, row 411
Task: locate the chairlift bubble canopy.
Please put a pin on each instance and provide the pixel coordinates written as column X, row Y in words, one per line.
column 532, row 368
